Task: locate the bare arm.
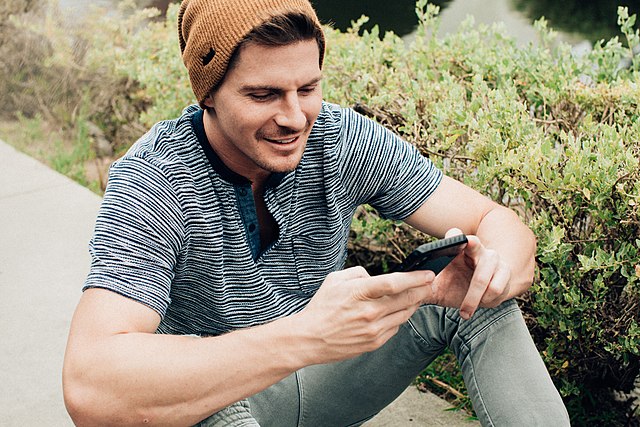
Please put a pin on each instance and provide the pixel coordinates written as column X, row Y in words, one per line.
column 117, row 371
column 500, row 255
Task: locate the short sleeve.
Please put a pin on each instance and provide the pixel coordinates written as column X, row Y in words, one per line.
column 382, row 170
column 138, row 235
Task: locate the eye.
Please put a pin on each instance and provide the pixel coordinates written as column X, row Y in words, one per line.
column 307, row 90
column 261, row 96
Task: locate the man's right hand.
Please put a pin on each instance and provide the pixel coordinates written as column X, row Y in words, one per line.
column 353, row 312
column 114, row 356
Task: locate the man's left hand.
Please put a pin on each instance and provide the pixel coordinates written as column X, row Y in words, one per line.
column 477, row 277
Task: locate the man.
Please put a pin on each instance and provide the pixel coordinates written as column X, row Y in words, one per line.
column 217, row 293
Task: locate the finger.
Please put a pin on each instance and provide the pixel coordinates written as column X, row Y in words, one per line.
column 397, row 318
column 350, row 273
column 499, row 287
column 390, row 324
column 452, row 232
column 474, row 249
column 482, row 277
column 394, row 283
column 382, row 338
column 409, row 299
column 402, row 316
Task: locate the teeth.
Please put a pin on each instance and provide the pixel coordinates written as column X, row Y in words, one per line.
column 283, row 141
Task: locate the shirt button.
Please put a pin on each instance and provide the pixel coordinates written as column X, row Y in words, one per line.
column 243, row 191
column 252, row 228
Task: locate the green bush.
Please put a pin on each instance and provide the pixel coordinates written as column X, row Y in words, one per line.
column 553, row 136
column 69, row 76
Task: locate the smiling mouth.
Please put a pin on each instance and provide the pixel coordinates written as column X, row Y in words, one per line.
column 282, row 141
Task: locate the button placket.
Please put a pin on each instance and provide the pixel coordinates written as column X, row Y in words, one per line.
column 249, row 216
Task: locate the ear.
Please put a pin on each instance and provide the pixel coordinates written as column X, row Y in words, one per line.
column 208, row 101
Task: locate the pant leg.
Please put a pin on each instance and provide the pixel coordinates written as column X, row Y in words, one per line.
column 507, row 381
column 346, row 393
column 502, row 369
column 236, row 415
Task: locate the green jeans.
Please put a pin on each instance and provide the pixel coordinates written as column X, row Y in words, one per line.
column 504, row 374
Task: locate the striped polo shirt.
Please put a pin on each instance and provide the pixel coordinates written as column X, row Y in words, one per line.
column 171, row 234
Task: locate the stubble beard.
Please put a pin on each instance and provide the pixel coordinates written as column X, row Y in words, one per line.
column 283, row 133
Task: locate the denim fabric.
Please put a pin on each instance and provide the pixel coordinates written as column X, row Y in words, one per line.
column 506, row 378
column 236, row 415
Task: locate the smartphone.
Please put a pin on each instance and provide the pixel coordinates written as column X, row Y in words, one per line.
column 434, row 256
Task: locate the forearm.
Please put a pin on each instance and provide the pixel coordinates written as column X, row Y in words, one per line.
column 140, row 378
column 117, row 371
column 455, row 205
column 501, row 229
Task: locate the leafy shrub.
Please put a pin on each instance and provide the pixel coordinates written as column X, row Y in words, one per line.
column 555, row 137
column 153, row 48
column 20, row 52
column 69, row 76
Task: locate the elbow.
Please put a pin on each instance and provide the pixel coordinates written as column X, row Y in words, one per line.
column 88, row 406
column 526, row 273
column 79, row 413
column 87, row 411
column 83, row 402
column 80, row 406
column 532, row 259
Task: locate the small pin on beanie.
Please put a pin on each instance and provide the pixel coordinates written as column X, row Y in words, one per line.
column 209, row 32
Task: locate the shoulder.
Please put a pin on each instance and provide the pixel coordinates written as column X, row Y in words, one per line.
column 338, row 128
column 166, row 139
column 170, row 147
column 328, row 121
column 334, row 117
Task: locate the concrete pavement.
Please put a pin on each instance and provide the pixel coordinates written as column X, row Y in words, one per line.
column 46, row 221
column 416, row 409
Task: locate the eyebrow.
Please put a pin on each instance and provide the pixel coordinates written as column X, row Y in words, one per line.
column 252, row 88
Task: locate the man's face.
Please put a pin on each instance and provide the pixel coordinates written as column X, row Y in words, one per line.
column 261, row 115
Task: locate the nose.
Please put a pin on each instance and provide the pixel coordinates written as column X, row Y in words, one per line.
column 290, row 114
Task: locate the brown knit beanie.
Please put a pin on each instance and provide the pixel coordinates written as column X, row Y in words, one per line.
column 210, row 30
